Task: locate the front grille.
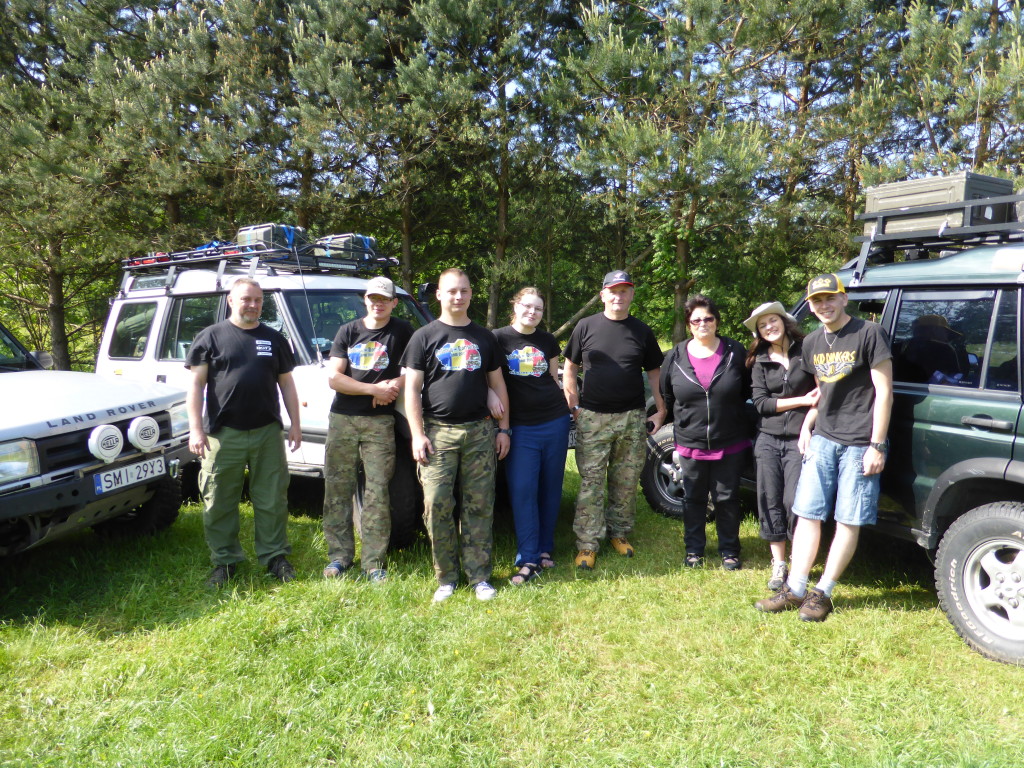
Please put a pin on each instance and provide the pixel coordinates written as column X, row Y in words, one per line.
column 71, row 449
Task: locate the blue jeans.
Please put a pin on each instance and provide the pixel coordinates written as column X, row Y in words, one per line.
column 832, row 479
column 534, row 469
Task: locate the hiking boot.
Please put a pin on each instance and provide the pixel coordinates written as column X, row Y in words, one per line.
column 484, row 591
column 377, row 576
column 281, row 569
column 221, row 575
column 620, row 545
column 783, row 600
column 585, row 559
column 780, row 572
column 816, row 606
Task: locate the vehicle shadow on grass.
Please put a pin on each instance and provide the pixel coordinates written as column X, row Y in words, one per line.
column 116, row 585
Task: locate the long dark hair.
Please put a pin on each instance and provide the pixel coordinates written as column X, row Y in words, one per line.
column 760, row 345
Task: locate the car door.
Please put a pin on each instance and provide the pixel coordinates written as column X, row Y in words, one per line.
column 956, row 394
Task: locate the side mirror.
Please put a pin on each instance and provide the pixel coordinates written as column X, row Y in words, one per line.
column 44, row 358
column 424, row 291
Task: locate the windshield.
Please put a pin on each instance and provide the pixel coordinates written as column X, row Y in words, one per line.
column 327, row 311
column 12, row 355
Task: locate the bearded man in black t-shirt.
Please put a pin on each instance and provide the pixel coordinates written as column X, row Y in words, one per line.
column 240, row 364
column 614, row 349
column 365, row 373
column 449, row 366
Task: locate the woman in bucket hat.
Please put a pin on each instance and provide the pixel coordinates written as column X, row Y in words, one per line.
column 782, row 393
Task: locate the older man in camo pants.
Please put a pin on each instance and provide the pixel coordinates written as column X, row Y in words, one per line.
column 614, row 349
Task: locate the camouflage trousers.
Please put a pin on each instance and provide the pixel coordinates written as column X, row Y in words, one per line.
column 465, row 451
column 349, row 439
column 610, row 450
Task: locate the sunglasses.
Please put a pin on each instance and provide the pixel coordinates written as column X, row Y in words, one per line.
column 701, row 321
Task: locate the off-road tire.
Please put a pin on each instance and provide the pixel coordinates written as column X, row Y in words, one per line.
column 151, row 516
column 664, row 496
column 979, row 575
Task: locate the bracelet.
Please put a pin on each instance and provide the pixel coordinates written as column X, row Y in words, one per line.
column 504, row 431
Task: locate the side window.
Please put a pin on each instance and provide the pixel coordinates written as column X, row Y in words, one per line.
column 1003, row 364
column 940, row 337
column 868, row 305
column 407, row 311
column 132, row 330
column 272, row 316
column 189, row 315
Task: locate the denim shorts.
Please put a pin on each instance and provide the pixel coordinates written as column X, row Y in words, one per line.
column 832, row 479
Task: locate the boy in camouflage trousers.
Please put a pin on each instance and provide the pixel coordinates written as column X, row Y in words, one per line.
column 614, row 350
column 365, row 373
column 449, row 366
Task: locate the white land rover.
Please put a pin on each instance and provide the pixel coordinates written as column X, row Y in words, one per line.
column 80, row 450
column 310, row 290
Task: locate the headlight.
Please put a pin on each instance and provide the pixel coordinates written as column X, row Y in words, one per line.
column 179, row 420
column 18, row 459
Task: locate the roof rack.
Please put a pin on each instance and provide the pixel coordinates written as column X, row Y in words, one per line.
column 276, row 247
column 881, row 247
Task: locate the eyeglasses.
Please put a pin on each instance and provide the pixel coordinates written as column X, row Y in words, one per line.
column 695, row 321
column 530, row 308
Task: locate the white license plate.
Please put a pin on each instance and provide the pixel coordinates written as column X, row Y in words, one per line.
column 131, row 474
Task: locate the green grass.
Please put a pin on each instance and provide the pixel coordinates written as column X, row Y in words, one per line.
column 115, row 654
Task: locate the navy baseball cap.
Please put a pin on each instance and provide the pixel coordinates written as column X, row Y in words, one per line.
column 618, row 277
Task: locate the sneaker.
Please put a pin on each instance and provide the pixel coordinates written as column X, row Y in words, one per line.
column 443, row 592
column 377, row 575
column 780, row 572
column 783, row 600
column 732, row 563
column 816, row 606
column 485, row 591
column 221, row 575
column 620, row 545
column 281, row 569
column 585, row 559
column 335, row 568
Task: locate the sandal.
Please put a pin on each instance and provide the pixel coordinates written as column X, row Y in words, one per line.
column 527, row 573
column 546, row 561
column 693, row 560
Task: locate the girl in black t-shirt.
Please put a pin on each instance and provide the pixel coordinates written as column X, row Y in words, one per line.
column 539, row 418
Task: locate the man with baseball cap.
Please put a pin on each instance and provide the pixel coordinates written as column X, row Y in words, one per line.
column 365, row 373
column 844, row 444
column 614, row 349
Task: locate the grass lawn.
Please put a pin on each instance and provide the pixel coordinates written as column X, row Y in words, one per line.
column 115, row 654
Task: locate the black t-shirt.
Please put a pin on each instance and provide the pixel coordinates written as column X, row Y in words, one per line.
column 455, row 361
column 373, row 356
column 843, row 369
column 241, row 385
column 534, row 397
column 613, row 354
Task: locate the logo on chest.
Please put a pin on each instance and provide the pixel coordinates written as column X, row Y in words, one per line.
column 459, row 355
column 528, row 361
column 371, row 356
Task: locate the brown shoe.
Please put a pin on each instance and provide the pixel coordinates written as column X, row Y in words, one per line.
column 816, row 606
column 620, row 545
column 585, row 559
column 783, row 600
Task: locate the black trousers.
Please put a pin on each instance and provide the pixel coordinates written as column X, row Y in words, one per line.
column 720, row 478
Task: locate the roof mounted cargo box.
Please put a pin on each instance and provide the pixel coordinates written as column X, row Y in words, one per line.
column 937, row 190
column 271, row 236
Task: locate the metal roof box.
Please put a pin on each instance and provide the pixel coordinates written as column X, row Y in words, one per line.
column 938, row 190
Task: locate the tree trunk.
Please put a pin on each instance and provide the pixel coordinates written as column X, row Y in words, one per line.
column 55, row 307
column 406, row 265
column 683, row 284
column 305, row 189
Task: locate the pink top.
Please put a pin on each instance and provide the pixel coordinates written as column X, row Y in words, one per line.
column 705, row 368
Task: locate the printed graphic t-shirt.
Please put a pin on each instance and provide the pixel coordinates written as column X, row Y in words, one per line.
column 534, row 396
column 613, row 354
column 843, row 369
column 455, row 361
column 241, row 386
column 373, row 356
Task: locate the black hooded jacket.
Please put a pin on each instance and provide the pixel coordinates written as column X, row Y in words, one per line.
column 772, row 382
column 712, row 418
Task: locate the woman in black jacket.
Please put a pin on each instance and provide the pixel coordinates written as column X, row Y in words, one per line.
column 705, row 385
column 782, row 392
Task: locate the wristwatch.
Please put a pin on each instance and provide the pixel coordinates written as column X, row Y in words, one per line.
column 880, row 447
column 504, row 431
